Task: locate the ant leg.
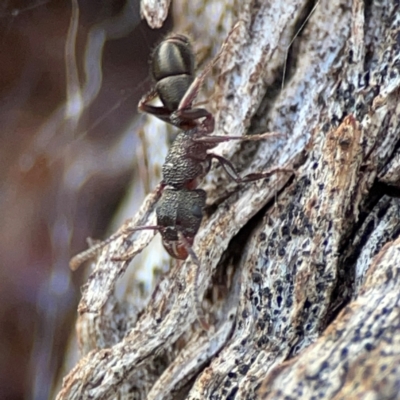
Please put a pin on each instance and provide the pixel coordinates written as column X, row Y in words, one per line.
column 176, row 118
column 246, row 138
column 129, row 255
column 197, row 304
column 147, row 98
column 231, row 171
column 88, row 254
column 148, row 204
column 194, row 88
column 160, row 112
column 179, row 118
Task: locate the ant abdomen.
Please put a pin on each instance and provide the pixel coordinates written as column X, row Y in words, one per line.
column 173, row 69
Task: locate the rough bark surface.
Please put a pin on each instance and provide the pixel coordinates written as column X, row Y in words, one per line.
column 300, row 274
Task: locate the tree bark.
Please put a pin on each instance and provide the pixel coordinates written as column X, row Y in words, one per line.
column 300, row 273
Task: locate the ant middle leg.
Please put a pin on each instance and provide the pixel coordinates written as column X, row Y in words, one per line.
column 214, row 139
column 232, row 173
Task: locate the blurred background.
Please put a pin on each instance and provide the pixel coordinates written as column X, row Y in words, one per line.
column 68, row 134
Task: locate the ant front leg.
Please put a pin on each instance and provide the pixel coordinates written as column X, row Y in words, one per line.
column 140, row 218
column 231, row 171
column 129, row 255
column 183, row 241
column 88, row 254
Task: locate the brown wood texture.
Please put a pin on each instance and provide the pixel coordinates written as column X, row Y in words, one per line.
column 300, row 273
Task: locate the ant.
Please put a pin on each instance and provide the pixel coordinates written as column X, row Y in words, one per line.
column 180, row 204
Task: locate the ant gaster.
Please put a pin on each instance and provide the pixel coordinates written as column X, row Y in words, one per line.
column 179, row 210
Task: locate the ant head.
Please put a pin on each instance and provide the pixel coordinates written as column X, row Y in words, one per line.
column 176, row 249
column 180, row 211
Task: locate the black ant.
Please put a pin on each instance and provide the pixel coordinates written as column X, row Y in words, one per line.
column 188, row 159
column 180, row 208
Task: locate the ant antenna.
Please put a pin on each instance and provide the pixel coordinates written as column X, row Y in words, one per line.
column 196, row 299
column 86, row 255
column 294, row 38
column 190, row 95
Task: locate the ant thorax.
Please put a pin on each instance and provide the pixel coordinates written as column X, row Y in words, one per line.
column 187, row 162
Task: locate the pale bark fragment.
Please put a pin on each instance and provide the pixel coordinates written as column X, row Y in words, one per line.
column 312, row 249
column 102, row 280
column 391, row 173
column 155, row 12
